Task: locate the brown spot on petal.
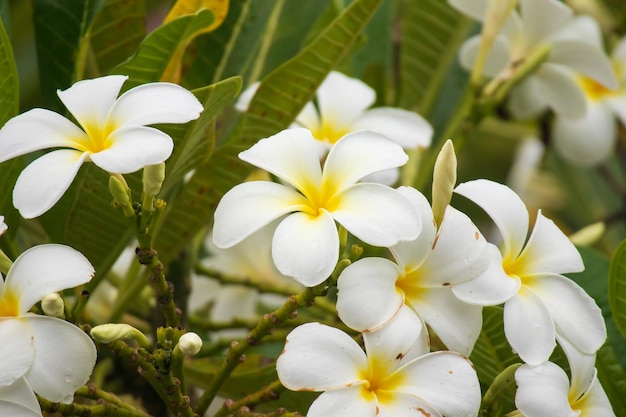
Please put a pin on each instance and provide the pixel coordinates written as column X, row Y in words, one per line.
column 399, row 356
column 422, row 411
column 476, row 235
column 435, row 241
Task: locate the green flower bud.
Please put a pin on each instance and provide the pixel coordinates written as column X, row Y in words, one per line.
column 444, row 180
column 121, row 194
column 110, row 332
column 153, row 177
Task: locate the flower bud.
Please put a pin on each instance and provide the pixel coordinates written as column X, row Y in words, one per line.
column 444, row 179
column 110, row 332
column 190, row 343
column 588, row 235
column 121, row 194
column 53, row 305
column 153, row 177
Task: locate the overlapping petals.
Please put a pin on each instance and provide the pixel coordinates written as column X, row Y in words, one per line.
column 542, row 24
column 112, row 134
column 382, row 380
column 50, row 356
column 426, row 271
column 546, row 304
column 306, row 244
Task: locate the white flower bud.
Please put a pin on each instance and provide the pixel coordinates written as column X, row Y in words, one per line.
column 444, row 179
column 588, row 235
column 153, row 177
column 190, row 343
column 53, row 305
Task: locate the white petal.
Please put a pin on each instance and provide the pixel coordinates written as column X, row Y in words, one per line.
column 358, row 154
column 585, row 59
column 490, row 288
column 317, row 357
column 132, row 148
column 18, row 400
column 42, row 183
column 387, row 177
column 155, row 103
column 504, row 207
column 387, row 346
column 43, row 269
column 595, row 402
column 306, row 247
column 64, row 358
column 475, row 9
column 617, row 103
column 548, row 250
column 16, row 349
column 526, row 99
column 582, row 28
column 582, row 371
column 406, row 128
column 244, row 99
column 457, row 253
column 528, row 327
column 560, row 90
column 342, row 99
column 456, row 323
column 377, row 214
column 38, row 129
column 90, row 101
column 411, row 253
column 406, row 405
column 542, row 18
column 589, row 140
column 576, row 315
column 446, row 380
column 542, row 391
column 291, row 155
column 309, row 117
column 349, row 402
column 497, row 58
column 248, row 207
column 367, row 297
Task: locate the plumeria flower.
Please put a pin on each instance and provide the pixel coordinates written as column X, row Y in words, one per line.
column 540, row 24
column 305, row 244
column 423, row 276
column 395, row 376
column 343, row 107
column 112, row 134
column 543, row 303
column 51, row 356
column 546, row 390
column 589, row 140
column 18, row 400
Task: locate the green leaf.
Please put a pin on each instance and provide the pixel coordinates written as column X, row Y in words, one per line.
column 617, row 287
column 117, row 31
column 281, row 96
column 612, row 377
column 432, row 33
column 60, row 27
column 155, row 52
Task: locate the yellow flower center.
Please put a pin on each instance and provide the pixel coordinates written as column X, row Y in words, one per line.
column 329, row 132
column 9, row 305
column 98, row 137
column 319, row 198
column 409, row 283
column 379, row 382
column 514, row 267
column 593, row 89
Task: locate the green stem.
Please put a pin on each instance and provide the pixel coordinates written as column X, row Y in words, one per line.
column 236, row 353
column 91, row 391
column 268, row 393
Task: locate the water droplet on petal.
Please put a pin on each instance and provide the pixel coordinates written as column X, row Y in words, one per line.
column 69, row 375
column 69, row 399
column 6, row 380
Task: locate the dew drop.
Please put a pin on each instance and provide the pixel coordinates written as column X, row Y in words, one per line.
column 6, row 380
column 69, row 375
column 68, row 399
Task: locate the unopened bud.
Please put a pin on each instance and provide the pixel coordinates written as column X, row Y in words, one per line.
column 588, row 235
column 53, row 305
column 190, row 343
column 110, row 332
column 444, row 180
column 121, row 194
column 153, row 177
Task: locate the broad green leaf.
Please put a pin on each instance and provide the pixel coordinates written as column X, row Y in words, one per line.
column 158, row 48
column 617, row 287
column 612, row 377
column 60, row 28
column 432, row 33
column 229, row 50
column 281, row 96
column 198, row 139
column 492, row 353
column 117, row 31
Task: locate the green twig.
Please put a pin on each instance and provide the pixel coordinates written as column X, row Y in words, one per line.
column 268, row 393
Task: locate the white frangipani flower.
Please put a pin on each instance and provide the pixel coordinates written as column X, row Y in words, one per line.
column 343, row 106
column 541, row 24
column 49, row 355
column 427, row 269
column 395, row 376
column 544, row 390
column 542, row 302
column 306, row 242
column 113, row 134
column 589, row 140
column 18, row 400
